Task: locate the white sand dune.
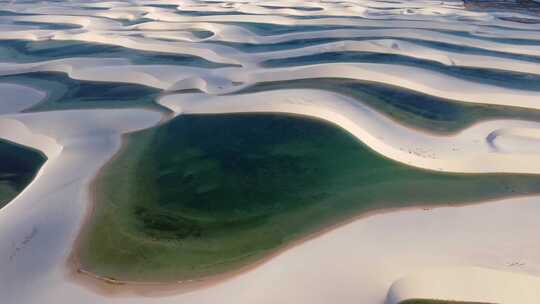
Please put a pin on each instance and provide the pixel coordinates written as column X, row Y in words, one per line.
column 470, row 151
column 345, row 266
column 408, row 49
column 486, row 252
column 167, row 25
column 16, row 98
column 424, row 81
column 40, row 225
column 119, row 70
column 523, row 140
column 467, row 284
column 220, row 81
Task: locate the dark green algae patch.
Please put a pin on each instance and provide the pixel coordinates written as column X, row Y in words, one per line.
column 18, row 167
column 207, row 194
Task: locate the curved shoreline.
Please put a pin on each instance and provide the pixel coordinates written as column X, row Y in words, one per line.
column 121, row 288
column 37, row 172
column 380, row 133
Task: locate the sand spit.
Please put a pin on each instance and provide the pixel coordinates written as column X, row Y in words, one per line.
column 40, row 225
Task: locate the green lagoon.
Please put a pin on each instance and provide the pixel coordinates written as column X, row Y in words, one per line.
column 206, row 194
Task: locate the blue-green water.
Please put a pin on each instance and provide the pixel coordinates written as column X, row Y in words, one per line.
column 481, row 75
column 30, row 51
column 18, row 167
column 66, row 93
column 407, row 107
column 205, row 194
